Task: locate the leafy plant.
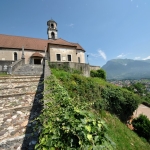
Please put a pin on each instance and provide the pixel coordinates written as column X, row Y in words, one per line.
column 142, row 126
column 99, row 94
column 120, row 101
column 67, row 123
column 98, row 73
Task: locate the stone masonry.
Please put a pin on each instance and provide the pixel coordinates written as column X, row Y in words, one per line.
column 19, row 105
column 29, row 69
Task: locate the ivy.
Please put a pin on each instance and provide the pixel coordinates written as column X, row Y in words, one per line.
column 70, row 124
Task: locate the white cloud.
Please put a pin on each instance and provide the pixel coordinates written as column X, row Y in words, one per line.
column 94, row 55
column 102, row 54
column 146, row 58
column 121, row 55
column 99, row 54
column 137, row 58
column 71, row 25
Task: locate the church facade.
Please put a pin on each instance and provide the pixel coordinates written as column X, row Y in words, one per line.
column 57, row 49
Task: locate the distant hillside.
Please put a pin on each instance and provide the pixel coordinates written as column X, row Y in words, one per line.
column 127, row 69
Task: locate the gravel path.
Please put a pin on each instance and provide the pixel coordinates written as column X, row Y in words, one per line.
column 142, row 109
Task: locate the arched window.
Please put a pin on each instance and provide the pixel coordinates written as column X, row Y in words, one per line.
column 53, row 35
column 52, row 25
column 15, row 56
column 79, row 60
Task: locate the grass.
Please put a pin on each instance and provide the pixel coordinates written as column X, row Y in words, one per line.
column 124, row 138
column 3, row 74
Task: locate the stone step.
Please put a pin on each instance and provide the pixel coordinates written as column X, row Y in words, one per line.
column 19, row 80
column 18, row 76
column 20, row 104
column 7, row 85
column 18, row 90
column 17, row 122
column 18, row 100
column 28, row 73
column 20, row 84
column 12, row 143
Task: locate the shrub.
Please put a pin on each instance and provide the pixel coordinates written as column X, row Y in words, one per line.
column 99, row 94
column 68, row 124
column 142, row 126
column 120, row 101
column 98, row 73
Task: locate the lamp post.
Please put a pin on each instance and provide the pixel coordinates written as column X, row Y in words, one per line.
column 45, row 53
column 87, row 59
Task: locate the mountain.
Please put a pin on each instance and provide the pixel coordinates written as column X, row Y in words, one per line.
column 119, row 69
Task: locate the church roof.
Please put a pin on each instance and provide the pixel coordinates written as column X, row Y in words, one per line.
column 66, row 43
column 61, row 42
column 78, row 46
column 9, row 41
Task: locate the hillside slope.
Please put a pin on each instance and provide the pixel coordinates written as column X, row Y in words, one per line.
column 83, row 88
column 118, row 69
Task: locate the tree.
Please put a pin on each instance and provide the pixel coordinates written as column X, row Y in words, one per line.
column 137, row 88
column 98, row 73
column 142, row 126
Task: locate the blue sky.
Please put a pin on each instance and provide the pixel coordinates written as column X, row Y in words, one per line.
column 106, row 29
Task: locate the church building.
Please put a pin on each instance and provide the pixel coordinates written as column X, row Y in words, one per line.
column 57, row 49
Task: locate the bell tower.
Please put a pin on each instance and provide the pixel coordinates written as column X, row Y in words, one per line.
column 52, row 29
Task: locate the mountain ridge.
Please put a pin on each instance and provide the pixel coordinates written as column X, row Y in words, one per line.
column 119, row 69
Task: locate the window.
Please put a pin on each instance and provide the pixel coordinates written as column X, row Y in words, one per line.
column 69, row 57
column 78, row 59
column 52, row 25
column 58, row 57
column 15, row 56
column 37, row 61
column 53, row 35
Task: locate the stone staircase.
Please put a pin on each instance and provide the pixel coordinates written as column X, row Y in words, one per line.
column 19, row 105
column 29, row 70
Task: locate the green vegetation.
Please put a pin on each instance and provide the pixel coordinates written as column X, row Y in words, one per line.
column 3, row 74
column 139, row 89
column 142, row 126
column 100, row 94
column 98, row 73
column 124, row 138
column 64, row 67
column 70, row 124
column 75, row 109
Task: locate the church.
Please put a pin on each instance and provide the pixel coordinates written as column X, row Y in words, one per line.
column 57, row 49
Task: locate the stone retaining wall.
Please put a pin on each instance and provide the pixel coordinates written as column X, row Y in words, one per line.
column 4, row 65
column 84, row 68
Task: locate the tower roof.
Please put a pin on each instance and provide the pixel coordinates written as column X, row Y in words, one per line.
column 51, row 21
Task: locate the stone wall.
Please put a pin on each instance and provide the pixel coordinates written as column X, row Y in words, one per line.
column 4, row 65
column 84, row 68
column 94, row 67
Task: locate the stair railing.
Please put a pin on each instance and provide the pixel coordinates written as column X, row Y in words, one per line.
column 11, row 68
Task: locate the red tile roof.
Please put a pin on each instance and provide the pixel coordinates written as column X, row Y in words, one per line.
column 78, row 46
column 36, row 54
column 61, row 42
column 9, row 41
